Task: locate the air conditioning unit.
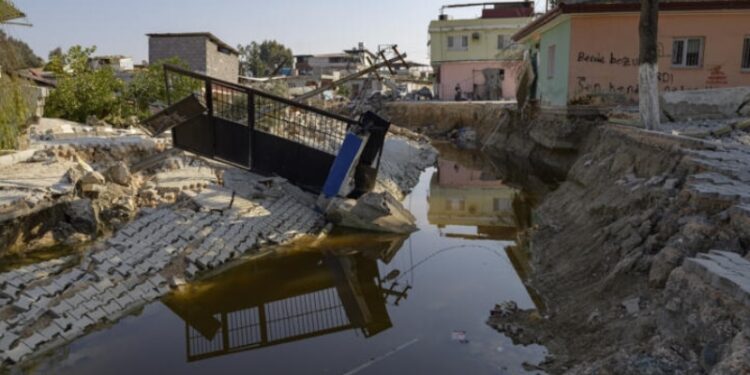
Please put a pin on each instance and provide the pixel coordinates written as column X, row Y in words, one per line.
column 475, row 36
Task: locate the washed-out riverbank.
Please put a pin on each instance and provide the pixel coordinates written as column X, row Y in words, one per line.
column 641, row 254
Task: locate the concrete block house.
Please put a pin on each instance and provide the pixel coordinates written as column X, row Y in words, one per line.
column 202, row 51
column 586, row 52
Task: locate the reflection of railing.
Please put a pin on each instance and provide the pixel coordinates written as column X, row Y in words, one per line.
column 273, row 323
column 309, row 313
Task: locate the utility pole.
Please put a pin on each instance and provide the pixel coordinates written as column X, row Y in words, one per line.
column 648, row 73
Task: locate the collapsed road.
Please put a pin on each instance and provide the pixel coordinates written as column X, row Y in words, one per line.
column 74, row 187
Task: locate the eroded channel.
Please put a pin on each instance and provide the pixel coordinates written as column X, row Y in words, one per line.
column 353, row 303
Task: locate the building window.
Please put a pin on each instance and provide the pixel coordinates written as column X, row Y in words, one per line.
column 746, row 54
column 500, row 204
column 687, row 52
column 455, row 204
column 500, row 41
column 458, row 43
column 551, row 61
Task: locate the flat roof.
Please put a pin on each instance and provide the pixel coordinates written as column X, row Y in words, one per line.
column 205, row 34
column 623, row 6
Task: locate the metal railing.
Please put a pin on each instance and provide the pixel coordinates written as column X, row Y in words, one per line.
column 260, row 111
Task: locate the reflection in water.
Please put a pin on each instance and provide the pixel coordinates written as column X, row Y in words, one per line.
column 465, row 196
column 314, row 289
column 289, row 294
column 322, row 298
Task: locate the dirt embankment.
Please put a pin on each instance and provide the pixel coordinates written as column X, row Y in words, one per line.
column 610, row 247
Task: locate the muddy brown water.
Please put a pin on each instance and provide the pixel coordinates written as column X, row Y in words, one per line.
column 354, row 303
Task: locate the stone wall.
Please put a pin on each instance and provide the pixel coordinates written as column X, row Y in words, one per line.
column 191, row 49
column 434, row 118
column 220, row 63
column 199, row 52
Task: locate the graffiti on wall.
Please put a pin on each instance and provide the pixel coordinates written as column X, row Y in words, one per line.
column 716, row 77
column 613, row 59
column 666, row 79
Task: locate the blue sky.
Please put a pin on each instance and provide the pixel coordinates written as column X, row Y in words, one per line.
column 307, row 26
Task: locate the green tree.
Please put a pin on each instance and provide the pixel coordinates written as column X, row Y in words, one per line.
column 147, row 87
column 260, row 60
column 81, row 91
column 73, row 63
column 13, row 112
column 16, row 54
column 54, row 53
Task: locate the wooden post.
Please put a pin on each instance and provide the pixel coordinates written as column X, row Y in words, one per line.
column 648, row 73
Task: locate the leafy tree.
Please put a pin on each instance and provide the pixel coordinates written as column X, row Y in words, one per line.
column 13, row 112
column 73, row 63
column 81, row 91
column 54, row 53
column 259, row 60
column 147, row 87
column 16, row 54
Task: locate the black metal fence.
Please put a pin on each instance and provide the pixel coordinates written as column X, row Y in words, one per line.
column 256, row 130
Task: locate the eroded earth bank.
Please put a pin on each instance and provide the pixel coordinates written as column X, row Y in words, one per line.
column 640, row 254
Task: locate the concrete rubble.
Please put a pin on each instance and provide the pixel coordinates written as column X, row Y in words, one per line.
column 706, row 104
column 172, row 222
column 378, row 212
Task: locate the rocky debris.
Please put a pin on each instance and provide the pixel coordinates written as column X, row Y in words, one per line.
column 82, row 216
column 524, row 327
column 93, row 178
column 59, row 129
column 725, row 271
column 186, row 178
column 119, row 174
column 378, row 212
column 632, row 305
column 437, row 118
column 26, row 188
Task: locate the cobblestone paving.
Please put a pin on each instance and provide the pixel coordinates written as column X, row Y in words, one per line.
column 47, row 304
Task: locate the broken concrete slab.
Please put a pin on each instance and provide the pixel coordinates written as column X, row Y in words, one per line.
column 705, row 104
column 379, row 212
column 185, row 178
column 16, row 354
column 723, row 270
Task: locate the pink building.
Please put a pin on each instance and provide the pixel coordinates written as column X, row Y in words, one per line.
column 587, row 52
column 475, row 59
